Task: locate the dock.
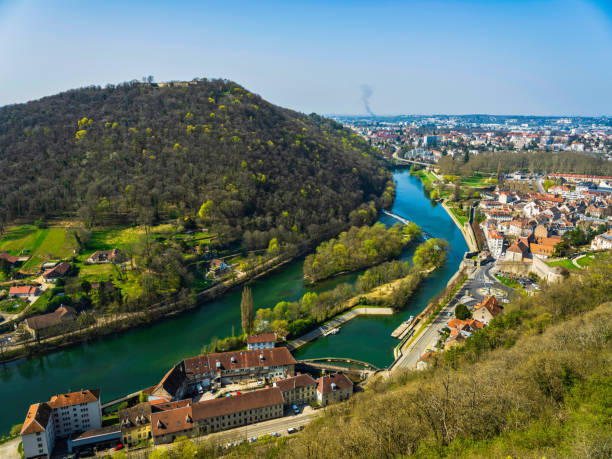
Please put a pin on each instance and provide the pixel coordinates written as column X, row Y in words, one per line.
column 403, row 328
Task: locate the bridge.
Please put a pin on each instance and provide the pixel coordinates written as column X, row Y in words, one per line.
column 410, row 161
column 426, row 235
column 327, row 362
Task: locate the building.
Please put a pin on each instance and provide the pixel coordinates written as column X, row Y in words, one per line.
column 210, row 370
column 46, row 324
column 23, row 291
column 517, row 251
column 263, row 341
column 37, row 432
column 60, row 417
column 333, row 388
column 495, row 242
column 486, row 310
column 76, row 412
column 299, row 389
column 106, row 256
column 9, row 259
column 602, row 241
column 218, row 268
column 59, row 270
column 102, row 438
column 135, row 424
column 215, row 415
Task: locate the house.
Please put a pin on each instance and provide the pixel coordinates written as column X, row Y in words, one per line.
column 517, row 251
column 495, row 241
column 486, row 310
column 60, row 270
column 520, row 227
column 217, row 268
column 37, row 432
column 333, row 388
column 135, row 424
column 263, row 341
column 23, row 291
column 9, row 259
column 60, row 417
column 298, row 389
column 215, row 415
column 602, row 241
column 106, row 256
column 45, row 324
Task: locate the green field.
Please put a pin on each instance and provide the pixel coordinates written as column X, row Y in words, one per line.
column 40, row 244
column 476, row 181
column 461, row 215
column 96, row 273
column 564, row 263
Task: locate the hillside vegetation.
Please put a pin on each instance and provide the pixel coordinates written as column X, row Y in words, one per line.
column 136, row 153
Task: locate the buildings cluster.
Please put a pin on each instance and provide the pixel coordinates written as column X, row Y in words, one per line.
column 522, row 226
column 432, row 136
column 260, row 383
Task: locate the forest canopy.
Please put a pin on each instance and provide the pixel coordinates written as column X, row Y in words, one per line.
column 137, row 152
column 357, row 248
column 540, row 162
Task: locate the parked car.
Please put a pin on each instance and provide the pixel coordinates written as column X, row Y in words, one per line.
column 296, row 410
column 275, row 434
column 291, row 430
column 118, row 447
column 252, row 439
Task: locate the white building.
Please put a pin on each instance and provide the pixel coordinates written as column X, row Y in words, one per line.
column 602, row 241
column 495, row 241
column 263, row 341
column 76, row 412
column 37, row 432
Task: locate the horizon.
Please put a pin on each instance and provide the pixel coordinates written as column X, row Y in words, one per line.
column 526, row 58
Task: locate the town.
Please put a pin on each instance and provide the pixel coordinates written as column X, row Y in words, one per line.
column 198, row 396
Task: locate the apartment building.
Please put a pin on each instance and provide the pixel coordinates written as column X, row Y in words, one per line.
column 299, row 389
column 210, row 416
column 60, row 417
column 135, row 424
column 37, row 432
column 263, row 341
column 333, row 388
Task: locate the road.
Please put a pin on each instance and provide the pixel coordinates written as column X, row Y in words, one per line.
column 8, row 450
column 540, row 186
column 476, row 286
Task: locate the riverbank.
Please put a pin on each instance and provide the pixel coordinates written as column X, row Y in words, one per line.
column 126, row 321
column 468, row 235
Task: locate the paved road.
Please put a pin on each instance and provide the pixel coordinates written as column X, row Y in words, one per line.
column 8, row 450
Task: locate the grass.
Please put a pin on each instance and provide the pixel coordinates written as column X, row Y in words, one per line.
column 475, row 181
column 40, row 305
column 587, row 260
column 129, row 285
column 13, row 305
column 459, row 214
column 564, row 263
column 40, row 244
column 508, row 282
column 96, row 273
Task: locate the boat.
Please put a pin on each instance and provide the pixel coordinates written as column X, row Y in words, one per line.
column 333, row 331
column 399, row 331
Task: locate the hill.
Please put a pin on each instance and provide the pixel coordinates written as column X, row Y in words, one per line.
column 137, row 152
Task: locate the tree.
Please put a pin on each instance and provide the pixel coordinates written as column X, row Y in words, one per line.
column 457, row 191
column 247, row 310
column 462, row 312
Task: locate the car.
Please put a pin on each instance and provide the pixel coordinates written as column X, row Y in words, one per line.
column 291, row 430
column 275, row 434
column 118, row 447
column 252, row 439
column 295, row 409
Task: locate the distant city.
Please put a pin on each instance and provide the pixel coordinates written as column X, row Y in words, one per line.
column 430, row 137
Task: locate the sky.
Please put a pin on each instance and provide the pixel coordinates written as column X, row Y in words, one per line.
column 530, row 57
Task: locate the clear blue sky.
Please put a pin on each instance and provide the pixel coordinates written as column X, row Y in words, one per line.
column 502, row 57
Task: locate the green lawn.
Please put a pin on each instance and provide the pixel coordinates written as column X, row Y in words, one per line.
column 96, row 273
column 565, row 263
column 475, row 181
column 461, row 215
column 13, row 305
column 40, row 244
column 587, row 260
column 508, row 282
column 40, row 305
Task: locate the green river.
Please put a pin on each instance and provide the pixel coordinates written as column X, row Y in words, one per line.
column 123, row 363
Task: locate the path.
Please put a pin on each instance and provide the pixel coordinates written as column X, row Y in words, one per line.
column 466, row 230
column 8, row 450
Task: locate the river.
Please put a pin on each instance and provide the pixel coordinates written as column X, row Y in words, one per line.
column 126, row 362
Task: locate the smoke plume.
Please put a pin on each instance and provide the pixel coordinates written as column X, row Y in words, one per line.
column 366, row 93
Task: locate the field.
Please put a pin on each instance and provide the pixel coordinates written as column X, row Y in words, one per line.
column 588, row 259
column 564, row 263
column 40, row 244
column 96, row 273
column 13, row 305
column 476, row 181
column 459, row 214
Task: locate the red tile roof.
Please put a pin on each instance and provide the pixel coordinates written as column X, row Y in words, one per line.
column 37, row 419
column 491, row 304
column 263, row 338
column 275, row 356
column 296, row 381
column 60, row 270
column 74, row 398
column 171, row 421
column 339, row 379
column 23, row 290
column 8, row 257
column 237, row 403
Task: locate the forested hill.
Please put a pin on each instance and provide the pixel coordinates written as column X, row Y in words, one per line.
column 135, row 151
